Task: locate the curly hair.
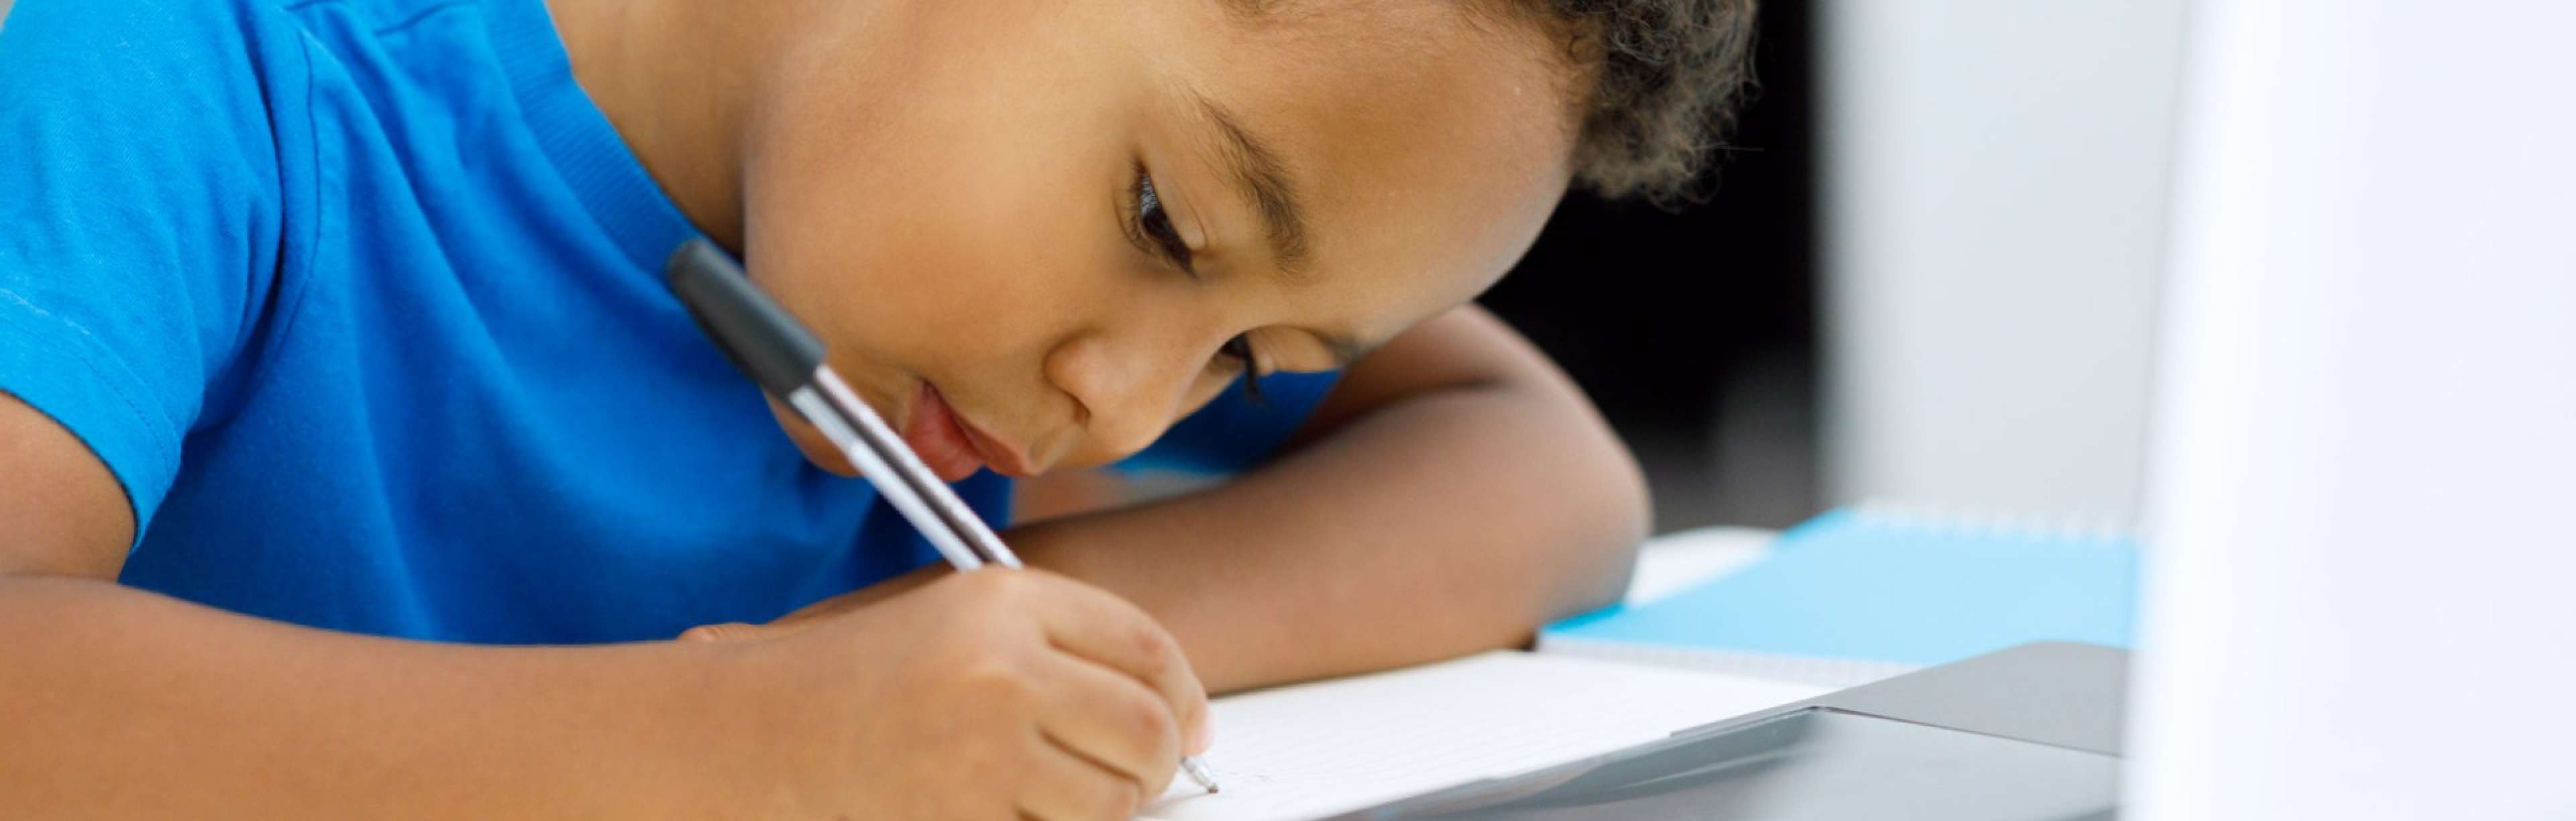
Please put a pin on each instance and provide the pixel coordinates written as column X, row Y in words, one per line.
column 1666, row 79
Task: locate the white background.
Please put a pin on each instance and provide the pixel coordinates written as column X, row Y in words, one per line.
column 1995, row 175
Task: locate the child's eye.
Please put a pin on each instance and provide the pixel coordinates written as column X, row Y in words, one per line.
column 1153, row 223
column 1240, row 350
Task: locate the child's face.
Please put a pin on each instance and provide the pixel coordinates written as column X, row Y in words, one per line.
column 975, row 230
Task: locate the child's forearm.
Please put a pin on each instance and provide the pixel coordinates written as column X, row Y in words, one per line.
column 119, row 703
column 1434, row 521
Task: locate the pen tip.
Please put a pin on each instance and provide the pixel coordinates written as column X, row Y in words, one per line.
column 1198, row 772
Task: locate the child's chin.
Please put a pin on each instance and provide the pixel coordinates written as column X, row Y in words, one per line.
column 817, row 448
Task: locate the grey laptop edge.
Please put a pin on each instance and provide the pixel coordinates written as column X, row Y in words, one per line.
column 2030, row 733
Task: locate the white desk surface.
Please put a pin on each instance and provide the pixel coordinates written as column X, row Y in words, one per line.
column 1672, row 563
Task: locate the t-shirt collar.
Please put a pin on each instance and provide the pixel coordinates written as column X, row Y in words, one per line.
column 577, row 137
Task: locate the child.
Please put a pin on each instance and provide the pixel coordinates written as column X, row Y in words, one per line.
column 335, row 353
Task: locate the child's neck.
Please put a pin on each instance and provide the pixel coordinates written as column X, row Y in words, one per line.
column 680, row 80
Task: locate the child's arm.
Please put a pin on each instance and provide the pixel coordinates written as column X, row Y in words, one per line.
column 981, row 696
column 1454, row 493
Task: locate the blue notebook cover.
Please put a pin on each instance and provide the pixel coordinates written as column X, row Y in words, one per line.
column 1884, row 587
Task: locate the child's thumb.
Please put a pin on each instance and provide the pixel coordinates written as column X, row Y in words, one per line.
column 729, row 631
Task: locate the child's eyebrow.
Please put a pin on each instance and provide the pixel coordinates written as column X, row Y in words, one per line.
column 1263, row 182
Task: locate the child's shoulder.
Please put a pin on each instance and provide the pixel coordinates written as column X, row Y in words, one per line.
column 141, row 69
column 165, row 44
column 172, row 38
column 374, row 17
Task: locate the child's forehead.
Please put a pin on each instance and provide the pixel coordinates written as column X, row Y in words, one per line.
column 1379, row 24
column 1423, row 137
column 1323, row 56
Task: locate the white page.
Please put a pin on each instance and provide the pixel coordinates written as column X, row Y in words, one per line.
column 1335, row 746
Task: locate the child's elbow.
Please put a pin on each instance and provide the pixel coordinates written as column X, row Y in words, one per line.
column 1609, row 517
column 1623, row 517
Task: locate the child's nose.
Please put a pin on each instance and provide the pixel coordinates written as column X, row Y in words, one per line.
column 1130, row 387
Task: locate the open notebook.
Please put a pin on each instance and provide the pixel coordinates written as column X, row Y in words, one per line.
column 1318, row 749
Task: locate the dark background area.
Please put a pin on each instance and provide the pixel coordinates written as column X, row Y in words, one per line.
column 1695, row 330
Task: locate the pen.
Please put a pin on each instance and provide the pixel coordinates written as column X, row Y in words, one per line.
column 786, row 359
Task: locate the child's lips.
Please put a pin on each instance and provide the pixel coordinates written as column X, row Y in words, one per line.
column 934, row 435
column 950, row 445
column 1002, row 458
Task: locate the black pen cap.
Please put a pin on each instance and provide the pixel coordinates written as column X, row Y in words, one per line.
column 751, row 329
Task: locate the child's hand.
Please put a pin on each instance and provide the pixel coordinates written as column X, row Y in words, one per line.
column 995, row 694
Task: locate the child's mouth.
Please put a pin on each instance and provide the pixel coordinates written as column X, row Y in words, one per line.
column 950, row 445
column 935, row 436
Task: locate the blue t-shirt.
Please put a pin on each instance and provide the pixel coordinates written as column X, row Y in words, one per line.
column 361, row 302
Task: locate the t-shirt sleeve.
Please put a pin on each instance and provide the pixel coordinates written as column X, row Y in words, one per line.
column 139, row 219
column 1235, row 433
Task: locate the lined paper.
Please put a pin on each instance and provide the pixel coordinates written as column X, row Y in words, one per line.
column 1319, row 749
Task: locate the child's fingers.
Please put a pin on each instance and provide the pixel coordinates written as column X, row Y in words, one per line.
column 1113, row 633
column 1110, row 719
column 1063, row 786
